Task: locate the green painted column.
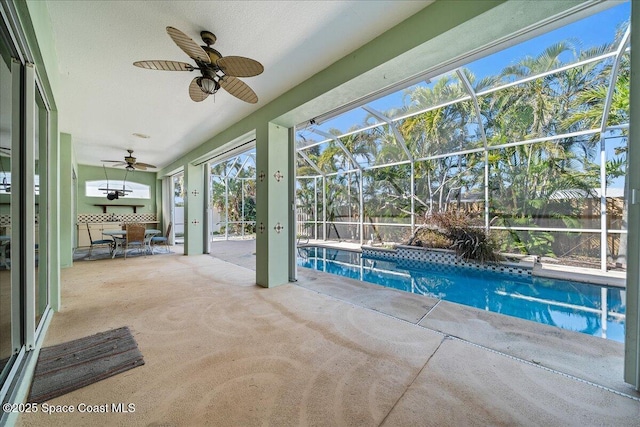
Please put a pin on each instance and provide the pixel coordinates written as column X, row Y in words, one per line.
column 67, row 219
column 194, row 209
column 273, row 201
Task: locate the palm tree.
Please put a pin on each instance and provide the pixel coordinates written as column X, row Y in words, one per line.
column 436, row 131
column 589, row 113
column 531, row 182
column 545, row 184
column 233, row 191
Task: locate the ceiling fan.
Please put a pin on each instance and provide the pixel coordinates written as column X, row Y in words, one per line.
column 130, row 163
column 217, row 71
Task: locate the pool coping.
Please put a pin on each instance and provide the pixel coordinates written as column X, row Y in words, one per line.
column 528, row 265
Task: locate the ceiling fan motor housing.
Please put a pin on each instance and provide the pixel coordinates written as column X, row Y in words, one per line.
column 208, row 37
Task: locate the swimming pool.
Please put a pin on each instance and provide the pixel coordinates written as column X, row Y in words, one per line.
column 590, row 309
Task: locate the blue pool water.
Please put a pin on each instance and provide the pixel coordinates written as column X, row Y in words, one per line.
column 565, row 304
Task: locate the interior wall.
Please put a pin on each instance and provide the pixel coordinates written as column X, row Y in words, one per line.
column 39, row 16
column 92, row 173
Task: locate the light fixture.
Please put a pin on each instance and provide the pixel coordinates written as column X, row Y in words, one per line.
column 208, row 85
column 114, row 194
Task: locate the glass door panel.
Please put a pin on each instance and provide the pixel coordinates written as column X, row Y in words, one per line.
column 40, row 208
column 6, row 288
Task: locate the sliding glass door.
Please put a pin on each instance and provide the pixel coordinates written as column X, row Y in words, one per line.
column 7, row 286
column 41, row 217
column 25, row 133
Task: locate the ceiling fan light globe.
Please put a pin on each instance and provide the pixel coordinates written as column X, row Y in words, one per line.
column 208, row 85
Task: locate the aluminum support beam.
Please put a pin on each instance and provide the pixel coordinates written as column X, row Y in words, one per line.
column 311, row 163
column 467, row 84
column 241, row 167
column 324, row 208
column 341, row 145
column 226, row 208
column 399, row 138
column 603, row 153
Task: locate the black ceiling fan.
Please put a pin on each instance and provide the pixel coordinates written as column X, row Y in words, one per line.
column 130, row 163
column 217, row 71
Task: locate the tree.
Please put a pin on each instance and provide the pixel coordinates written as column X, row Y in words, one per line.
column 589, row 113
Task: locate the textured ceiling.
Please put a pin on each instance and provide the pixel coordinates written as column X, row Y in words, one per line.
column 104, row 99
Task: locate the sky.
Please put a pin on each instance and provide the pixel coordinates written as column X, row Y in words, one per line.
column 592, row 31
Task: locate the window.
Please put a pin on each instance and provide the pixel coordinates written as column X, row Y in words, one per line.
column 101, row 188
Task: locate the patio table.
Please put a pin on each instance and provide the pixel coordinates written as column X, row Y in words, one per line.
column 122, row 234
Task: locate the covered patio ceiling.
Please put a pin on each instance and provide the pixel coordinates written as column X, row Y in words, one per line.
column 104, row 100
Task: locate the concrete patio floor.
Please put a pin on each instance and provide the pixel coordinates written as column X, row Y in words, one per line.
column 325, row 350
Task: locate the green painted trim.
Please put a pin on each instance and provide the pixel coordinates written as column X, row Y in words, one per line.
column 632, row 321
column 158, row 199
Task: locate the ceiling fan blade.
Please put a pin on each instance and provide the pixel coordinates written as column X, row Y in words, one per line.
column 159, row 64
column 187, row 44
column 239, row 89
column 116, row 163
column 239, row 66
column 139, row 166
column 195, row 92
column 111, row 161
column 144, row 165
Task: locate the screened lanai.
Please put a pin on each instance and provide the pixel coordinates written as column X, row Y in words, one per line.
column 232, row 198
column 529, row 142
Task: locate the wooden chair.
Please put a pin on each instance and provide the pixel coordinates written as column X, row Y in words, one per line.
column 135, row 237
column 161, row 240
column 100, row 242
